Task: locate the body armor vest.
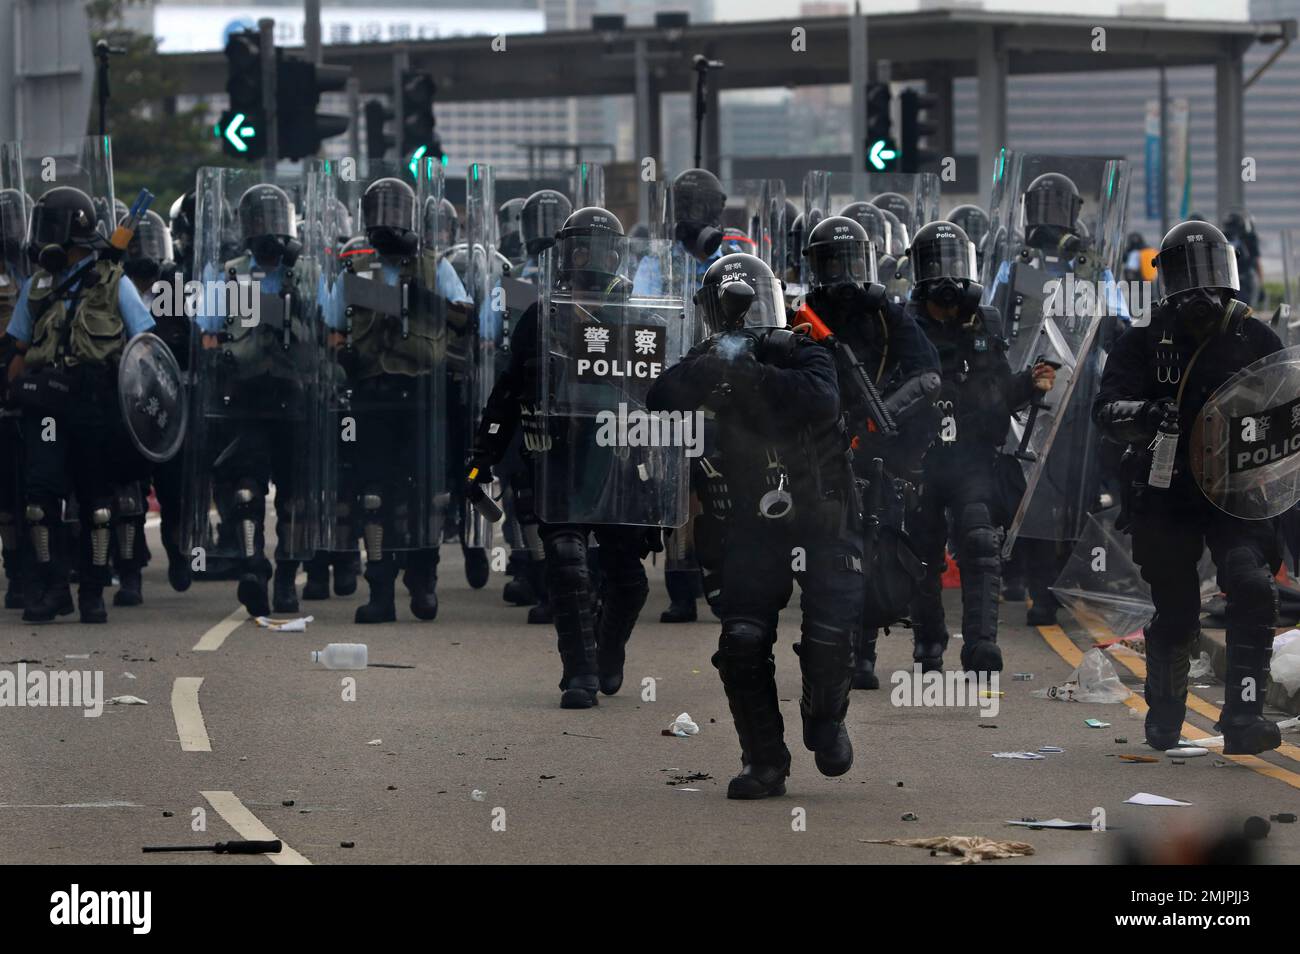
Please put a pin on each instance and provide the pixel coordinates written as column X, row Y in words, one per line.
column 97, row 335
column 388, row 343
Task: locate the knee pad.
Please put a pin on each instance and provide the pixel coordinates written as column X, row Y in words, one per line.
column 372, row 525
column 41, row 516
column 566, row 563
column 1251, row 590
column 825, row 652
column 128, row 499
column 100, row 518
column 981, row 541
column 745, row 651
column 1169, row 636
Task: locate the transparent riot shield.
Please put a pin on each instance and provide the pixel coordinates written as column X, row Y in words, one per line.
column 755, row 208
column 599, row 456
column 1056, row 254
column 588, row 185
column 256, row 355
column 1101, row 583
column 15, row 207
column 1286, row 320
column 817, row 204
column 84, row 164
column 485, row 344
column 384, row 318
column 1245, row 444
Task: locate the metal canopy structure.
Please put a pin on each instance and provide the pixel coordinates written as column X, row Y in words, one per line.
column 936, row 46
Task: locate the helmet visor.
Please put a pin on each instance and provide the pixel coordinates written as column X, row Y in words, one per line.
column 691, row 203
column 1056, row 207
column 838, row 263
column 948, row 257
column 391, row 208
column 1196, row 265
column 539, row 221
column 266, row 213
column 719, row 313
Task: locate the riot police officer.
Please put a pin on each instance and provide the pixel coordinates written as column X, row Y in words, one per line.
column 1161, row 375
column 793, row 512
column 70, row 324
column 900, row 361
column 959, row 479
column 14, row 267
column 260, row 369
column 592, row 646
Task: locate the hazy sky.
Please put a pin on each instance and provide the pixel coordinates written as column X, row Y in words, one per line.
column 775, row 9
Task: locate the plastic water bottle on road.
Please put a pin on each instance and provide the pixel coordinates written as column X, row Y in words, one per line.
column 341, row 656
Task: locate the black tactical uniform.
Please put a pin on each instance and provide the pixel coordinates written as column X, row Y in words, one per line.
column 959, row 480
column 13, row 272
column 1198, row 338
column 793, row 513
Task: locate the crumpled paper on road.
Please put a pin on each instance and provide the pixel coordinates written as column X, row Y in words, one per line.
column 972, row 848
column 298, row 625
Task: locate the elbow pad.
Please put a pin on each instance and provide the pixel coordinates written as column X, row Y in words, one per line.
column 915, row 394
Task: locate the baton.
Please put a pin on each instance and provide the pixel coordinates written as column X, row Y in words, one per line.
column 224, row 848
column 1035, row 405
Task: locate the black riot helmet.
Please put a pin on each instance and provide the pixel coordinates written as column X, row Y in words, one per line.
column 63, row 217
column 267, row 226
column 698, row 201
column 543, row 214
column 510, row 241
column 973, row 220
column 874, row 221
column 1052, row 200
column 740, row 291
column 150, row 249
column 942, row 259
column 388, row 217
column 589, row 249
column 1196, row 274
column 895, row 203
column 840, row 252
column 181, row 221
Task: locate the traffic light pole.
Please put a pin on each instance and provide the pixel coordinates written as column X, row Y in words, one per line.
column 270, row 121
column 858, row 74
column 354, row 111
column 311, row 31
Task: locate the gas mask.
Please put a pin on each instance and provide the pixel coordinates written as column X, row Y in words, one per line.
column 387, row 241
column 956, row 293
column 52, row 258
column 700, row 239
column 272, row 250
column 1199, row 309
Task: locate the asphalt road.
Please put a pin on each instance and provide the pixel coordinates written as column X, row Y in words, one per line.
column 464, row 755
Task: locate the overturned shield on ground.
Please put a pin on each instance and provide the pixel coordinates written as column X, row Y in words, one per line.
column 1245, row 444
column 151, row 393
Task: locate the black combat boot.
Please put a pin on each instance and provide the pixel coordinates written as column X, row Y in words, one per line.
column 90, row 603
column 981, row 583
column 929, row 631
column 620, row 605
column 864, row 659
column 381, row 607
column 346, row 567
column 682, row 586
column 50, row 595
column 744, row 661
column 569, row 584
column 421, row 580
column 285, row 596
column 255, row 574
column 541, row 614
column 519, row 590
column 317, row 586
column 179, row 574
column 130, row 587
column 826, row 661
column 1169, row 656
column 1242, row 723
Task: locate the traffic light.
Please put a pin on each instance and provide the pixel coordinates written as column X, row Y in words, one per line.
column 240, row 127
column 298, row 89
column 916, row 126
column 419, row 135
column 879, row 153
column 378, row 142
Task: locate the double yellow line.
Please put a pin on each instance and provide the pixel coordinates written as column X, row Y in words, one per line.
column 1064, row 647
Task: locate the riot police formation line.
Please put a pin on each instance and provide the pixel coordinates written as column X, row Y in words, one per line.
column 876, row 387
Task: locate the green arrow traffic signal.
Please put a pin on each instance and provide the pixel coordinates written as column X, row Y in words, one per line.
column 236, row 132
column 414, row 164
column 881, row 154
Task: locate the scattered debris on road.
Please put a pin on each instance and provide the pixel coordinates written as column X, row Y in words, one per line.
column 1146, row 798
column 682, row 727
column 1093, row 680
column 127, row 701
column 972, row 848
column 1059, row 824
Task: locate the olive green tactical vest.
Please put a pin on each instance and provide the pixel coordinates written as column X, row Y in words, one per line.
column 98, row 333
column 257, row 349
column 9, row 291
column 377, row 338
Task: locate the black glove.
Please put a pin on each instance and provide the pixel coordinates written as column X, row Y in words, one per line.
column 479, row 468
column 1156, row 412
column 746, row 373
column 652, row 541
